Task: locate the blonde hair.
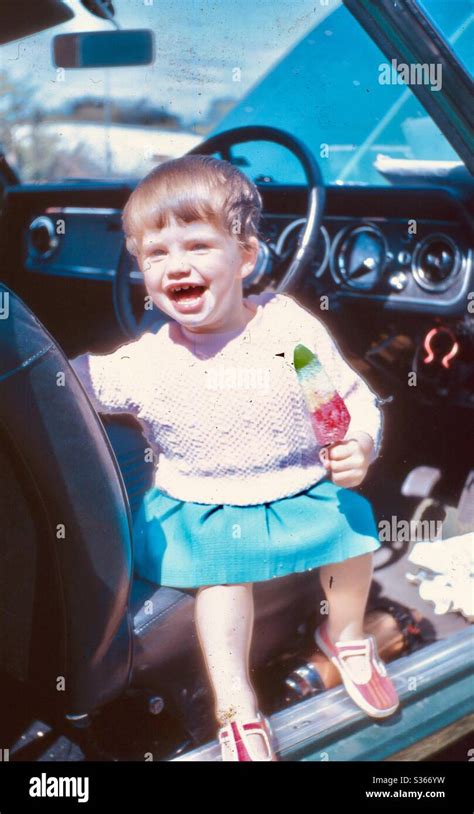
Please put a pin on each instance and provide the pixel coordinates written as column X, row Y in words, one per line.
column 194, row 187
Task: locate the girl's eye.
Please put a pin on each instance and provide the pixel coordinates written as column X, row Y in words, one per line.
column 198, row 246
column 157, row 253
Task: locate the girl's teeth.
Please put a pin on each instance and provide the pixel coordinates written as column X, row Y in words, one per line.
column 187, row 293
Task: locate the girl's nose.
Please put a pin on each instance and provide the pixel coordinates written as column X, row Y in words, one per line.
column 178, row 261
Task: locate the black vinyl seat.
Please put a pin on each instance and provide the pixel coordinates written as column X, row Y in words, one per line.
column 66, row 550
column 71, row 607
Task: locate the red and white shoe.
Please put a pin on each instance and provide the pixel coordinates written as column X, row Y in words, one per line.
column 375, row 692
column 237, row 738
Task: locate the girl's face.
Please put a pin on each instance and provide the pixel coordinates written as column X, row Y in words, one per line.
column 194, row 272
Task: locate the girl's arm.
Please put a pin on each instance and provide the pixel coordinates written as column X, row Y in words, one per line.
column 361, row 401
column 109, row 380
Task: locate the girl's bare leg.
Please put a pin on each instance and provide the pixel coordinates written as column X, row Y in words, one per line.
column 346, row 586
column 224, row 616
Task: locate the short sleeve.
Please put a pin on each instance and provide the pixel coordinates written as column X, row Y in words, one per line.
column 360, row 399
column 110, row 380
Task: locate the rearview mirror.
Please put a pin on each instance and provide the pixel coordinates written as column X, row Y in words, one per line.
column 104, row 49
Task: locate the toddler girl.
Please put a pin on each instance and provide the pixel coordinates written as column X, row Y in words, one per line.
column 240, row 492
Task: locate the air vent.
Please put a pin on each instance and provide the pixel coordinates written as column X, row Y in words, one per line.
column 42, row 238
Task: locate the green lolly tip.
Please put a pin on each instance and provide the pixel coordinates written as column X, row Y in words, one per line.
column 302, row 356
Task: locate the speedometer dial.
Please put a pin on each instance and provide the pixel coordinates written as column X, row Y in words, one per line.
column 286, row 245
column 358, row 257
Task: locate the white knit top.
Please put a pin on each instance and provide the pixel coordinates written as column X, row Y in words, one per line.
column 224, row 412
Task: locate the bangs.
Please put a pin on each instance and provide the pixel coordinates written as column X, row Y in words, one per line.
column 193, row 188
column 184, row 208
column 155, row 209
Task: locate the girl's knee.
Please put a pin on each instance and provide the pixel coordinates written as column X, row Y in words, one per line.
column 224, row 588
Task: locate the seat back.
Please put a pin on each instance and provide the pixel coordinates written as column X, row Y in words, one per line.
column 65, row 526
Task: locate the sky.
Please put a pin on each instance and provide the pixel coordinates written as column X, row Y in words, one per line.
column 199, row 44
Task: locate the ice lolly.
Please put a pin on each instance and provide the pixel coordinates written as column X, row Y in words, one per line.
column 329, row 415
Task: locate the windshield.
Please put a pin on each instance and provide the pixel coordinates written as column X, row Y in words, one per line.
column 307, row 67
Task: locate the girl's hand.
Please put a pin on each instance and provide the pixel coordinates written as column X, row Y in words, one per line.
column 348, row 460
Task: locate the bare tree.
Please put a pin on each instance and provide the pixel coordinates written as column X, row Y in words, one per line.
column 29, row 142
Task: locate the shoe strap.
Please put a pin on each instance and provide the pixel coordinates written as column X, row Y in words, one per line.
column 355, row 647
column 260, row 727
column 348, row 654
column 226, row 735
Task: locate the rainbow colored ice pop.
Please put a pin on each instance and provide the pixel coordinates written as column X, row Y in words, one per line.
column 329, row 415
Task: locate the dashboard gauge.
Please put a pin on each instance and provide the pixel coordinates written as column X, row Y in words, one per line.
column 286, row 245
column 358, row 257
column 436, row 261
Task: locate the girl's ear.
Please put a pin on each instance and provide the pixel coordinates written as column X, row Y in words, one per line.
column 142, row 263
column 131, row 246
column 250, row 253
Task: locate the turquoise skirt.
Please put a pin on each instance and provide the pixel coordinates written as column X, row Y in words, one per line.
column 187, row 545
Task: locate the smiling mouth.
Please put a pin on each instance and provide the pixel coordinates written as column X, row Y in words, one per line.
column 186, row 293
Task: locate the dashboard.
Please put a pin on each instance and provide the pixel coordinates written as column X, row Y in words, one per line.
column 387, row 260
column 393, row 263
column 406, row 250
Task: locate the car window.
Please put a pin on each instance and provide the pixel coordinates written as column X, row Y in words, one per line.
column 308, row 68
column 113, row 123
column 338, row 92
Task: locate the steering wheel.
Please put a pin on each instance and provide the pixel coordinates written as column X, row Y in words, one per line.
column 268, row 259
